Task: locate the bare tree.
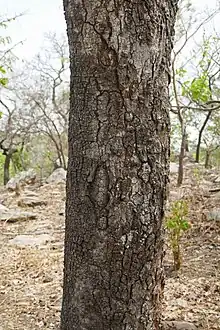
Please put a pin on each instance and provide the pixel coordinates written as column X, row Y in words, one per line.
column 14, row 132
column 46, row 94
column 187, row 27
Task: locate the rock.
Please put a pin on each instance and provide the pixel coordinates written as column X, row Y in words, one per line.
column 174, row 167
column 217, row 179
column 59, row 175
column 215, row 197
column 30, row 240
column 174, row 195
column 181, row 302
column 188, row 158
column 12, row 184
column 3, row 208
column 214, row 215
column 58, row 163
column 16, row 215
column 178, row 325
column 29, row 193
column 30, row 201
column 20, row 180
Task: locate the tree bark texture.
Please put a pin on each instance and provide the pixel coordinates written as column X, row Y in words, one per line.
column 118, row 162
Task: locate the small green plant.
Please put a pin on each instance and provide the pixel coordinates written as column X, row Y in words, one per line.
column 176, row 224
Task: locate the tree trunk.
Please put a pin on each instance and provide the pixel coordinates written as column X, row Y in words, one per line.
column 187, row 144
column 207, row 158
column 118, row 163
column 181, row 157
column 200, row 136
column 7, row 167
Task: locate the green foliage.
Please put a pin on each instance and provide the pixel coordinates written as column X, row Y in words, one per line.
column 20, row 161
column 176, row 224
column 4, row 41
column 3, row 80
column 181, row 72
column 197, row 89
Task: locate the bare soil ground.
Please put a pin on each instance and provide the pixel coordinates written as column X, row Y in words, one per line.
column 31, row 277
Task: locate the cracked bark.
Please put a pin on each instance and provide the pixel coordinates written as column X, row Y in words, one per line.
column 118, row 162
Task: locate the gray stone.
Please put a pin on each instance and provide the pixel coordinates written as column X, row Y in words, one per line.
column 3, row 208
column 178, row 325
column 21, row 179
column 30, row 240
column 181, row 302
column 217, row 179
column 30, row 193
column 216, row 196
column 59, row 175
column 16, row 215
column 58, row 163
column 214, row 215
column 30, row 201
column 174, row 167
column 174, row 195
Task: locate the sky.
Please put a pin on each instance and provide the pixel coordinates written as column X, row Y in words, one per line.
column 40, row 17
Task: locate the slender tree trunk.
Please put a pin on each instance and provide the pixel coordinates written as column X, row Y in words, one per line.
column 63, row 157
column 187, row 144
column 207, row 158
column 181, row 157
column 7, row 168
column 200, row 136
column 118, row 163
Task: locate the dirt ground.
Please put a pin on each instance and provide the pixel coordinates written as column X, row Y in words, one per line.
column 31, row 277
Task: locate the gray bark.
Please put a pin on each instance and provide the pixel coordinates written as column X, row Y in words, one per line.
column 118, row 162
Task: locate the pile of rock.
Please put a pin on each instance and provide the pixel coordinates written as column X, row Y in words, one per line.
column 21, row 180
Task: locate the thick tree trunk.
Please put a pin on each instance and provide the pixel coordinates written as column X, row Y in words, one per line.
column 200, row 136
column 118, row 163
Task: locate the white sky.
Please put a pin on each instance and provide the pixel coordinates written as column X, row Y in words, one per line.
column 40, row 17
column 43, row 16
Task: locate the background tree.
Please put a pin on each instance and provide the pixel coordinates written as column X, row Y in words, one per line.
column 13, row 136
column 46, row 94
column 190, row 90
column 118, row 162
column 8, row 133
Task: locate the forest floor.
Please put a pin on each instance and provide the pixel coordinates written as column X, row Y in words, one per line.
column 31, row 277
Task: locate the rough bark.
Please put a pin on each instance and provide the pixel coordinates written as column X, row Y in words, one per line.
column 118, row 162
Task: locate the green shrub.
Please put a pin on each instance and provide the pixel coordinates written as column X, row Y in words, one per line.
column 176, row 224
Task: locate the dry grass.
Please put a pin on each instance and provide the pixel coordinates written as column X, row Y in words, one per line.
column 30, row 290
column 30, row 278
